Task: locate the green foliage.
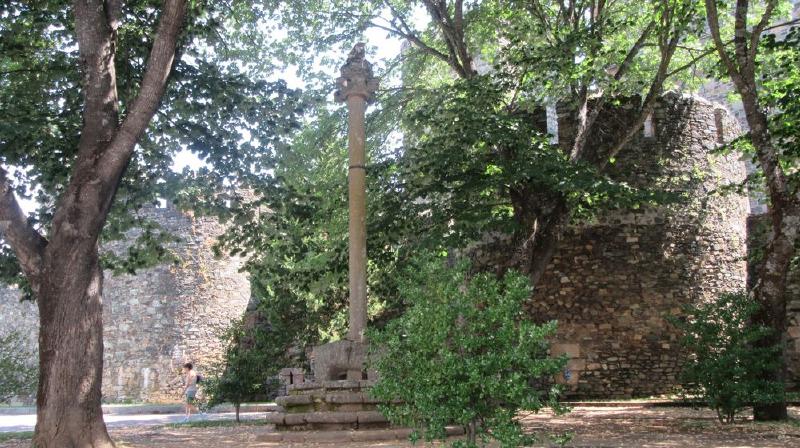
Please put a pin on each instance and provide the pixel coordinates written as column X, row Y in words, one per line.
column 727, row 369
column 449, row 158
column 781, row 92
column 222, row 103
column 249, row 367
column 19, row 373
column 481, row 163
column 294, row 232
column 464, row 353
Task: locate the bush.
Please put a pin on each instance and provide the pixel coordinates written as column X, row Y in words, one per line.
column 463, row 353
column 727, row 368
column 18, row 370
column 248, row 369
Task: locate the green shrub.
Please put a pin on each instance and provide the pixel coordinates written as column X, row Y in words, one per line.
column 248, row 369
column 464, row 353
column 726, row 368
column 18, row 370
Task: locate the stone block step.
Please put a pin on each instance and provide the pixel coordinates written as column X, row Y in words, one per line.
column 330, row 385
column 355, row 418
column 338, row 398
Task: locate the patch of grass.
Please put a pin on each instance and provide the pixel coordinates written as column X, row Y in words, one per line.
column 215, row 424
column 16, row 435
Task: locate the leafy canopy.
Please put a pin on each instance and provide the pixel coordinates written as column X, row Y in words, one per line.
column 453, row 153
column 220, row 105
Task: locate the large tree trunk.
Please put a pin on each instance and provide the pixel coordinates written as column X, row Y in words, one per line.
column 770, row 292
column 64, row 272
column 769, row 289
column 71, row 352
column 770, row 286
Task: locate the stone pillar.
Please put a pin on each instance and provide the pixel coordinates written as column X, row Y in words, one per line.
column 356, row 87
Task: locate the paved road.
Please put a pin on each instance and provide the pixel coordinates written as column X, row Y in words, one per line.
column 26, row 422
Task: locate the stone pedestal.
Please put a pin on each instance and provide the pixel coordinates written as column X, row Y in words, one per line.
column 328, row 405
column 338, row 396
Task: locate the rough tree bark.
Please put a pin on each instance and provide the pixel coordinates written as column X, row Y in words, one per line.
column 63, row 269
column 770, row 287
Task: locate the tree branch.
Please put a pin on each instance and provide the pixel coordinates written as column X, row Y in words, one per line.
column 656, row 88
column 28, row 244
column 587, row 120
column 414, row 40
column 113, row 9
column 713, row 25
column 408, row 33
column 759, row 28
column 740, row 33
column 671, row 39
column 159, row 66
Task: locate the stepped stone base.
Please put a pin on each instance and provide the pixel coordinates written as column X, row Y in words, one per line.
column 328, row 405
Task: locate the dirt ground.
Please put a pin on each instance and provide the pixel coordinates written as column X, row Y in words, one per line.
column 626, row 426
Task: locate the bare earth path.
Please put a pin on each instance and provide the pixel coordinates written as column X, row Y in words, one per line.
column 627, row 426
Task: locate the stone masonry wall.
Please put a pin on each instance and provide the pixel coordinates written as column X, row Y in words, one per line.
column 161, row 317
column 614, row 281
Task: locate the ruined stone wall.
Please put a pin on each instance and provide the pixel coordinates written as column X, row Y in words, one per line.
column 614, row 281
column 161, row 317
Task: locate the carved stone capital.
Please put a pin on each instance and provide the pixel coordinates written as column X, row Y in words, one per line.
column 356, row 78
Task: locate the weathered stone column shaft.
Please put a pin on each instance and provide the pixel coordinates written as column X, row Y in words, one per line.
column 356, row 87
column 357, row 203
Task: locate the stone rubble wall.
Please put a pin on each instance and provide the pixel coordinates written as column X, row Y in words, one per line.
column 614, row 281
column 163, row 316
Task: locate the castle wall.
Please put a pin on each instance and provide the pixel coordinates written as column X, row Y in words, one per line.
column 163, row 316
column 613, row 282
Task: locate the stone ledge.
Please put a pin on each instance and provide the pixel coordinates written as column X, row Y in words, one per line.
column 331, row 385
column 329, row 417
column 344, row 398
column 293, row 400
column 371, row 417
